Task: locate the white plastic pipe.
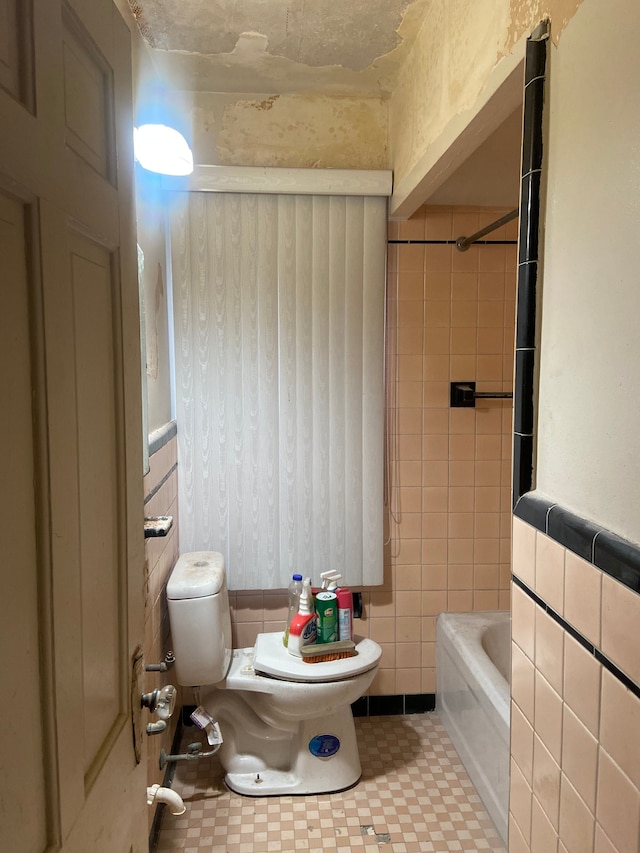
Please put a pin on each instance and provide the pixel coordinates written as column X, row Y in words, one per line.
column 168, row 796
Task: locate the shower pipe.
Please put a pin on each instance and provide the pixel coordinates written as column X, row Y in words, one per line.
column 463, row 243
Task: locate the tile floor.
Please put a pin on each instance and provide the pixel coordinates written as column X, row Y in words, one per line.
column 414, row 797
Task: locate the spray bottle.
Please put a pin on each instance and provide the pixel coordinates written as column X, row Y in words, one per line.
column 303, row 627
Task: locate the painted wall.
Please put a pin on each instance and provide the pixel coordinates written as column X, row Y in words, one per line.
column 296, row 131
column 575, row 777
column 588, row 445
column 459, row 45
column 150, row 96
column 150, row 216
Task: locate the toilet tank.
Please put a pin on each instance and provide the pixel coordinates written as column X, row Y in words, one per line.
column 198, row 602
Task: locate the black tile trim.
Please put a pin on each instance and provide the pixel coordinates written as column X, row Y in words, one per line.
column 618, row 558
column 159, row 437
column 531, row 178
column 533, row 79
column 577, row 636
column 419, row 703
column 385, row 705
column 522, row 464
column 394, row 705
column 617, row 673
column 615, row 556
column 526, row 174
column 360, row 708
column 529, row 217
column 536, row 60
column 158, row 486
column 523, row 413
column 572, row 531
column 526, row 305
column 533, row 509
column 593, row 650
column 452, row 242
column 366, row 706
column 532, row 138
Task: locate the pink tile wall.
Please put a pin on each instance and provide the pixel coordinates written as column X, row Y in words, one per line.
column 575, row 754
column 450, row 316
column 160, row 556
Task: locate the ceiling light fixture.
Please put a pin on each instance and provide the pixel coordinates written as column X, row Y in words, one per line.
column 162, row 149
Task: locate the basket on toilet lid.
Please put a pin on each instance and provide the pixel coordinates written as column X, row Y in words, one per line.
column 272, row 658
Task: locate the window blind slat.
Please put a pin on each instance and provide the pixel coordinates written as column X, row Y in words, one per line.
column 279, row 338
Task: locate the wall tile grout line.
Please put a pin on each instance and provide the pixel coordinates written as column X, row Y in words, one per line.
column 593, row 547
column 578, row 637
column 533, row 79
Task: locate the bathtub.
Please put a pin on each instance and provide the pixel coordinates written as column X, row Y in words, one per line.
column 473, row 699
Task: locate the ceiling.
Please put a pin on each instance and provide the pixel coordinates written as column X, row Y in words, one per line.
column 329, row 47
column 346, row 47
column 491, row 175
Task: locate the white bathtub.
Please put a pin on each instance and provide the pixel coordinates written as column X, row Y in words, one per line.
column 473, row 663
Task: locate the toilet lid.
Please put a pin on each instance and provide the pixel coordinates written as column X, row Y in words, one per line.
column 272, row 658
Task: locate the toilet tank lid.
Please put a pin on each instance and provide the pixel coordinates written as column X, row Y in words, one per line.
column 196, row 575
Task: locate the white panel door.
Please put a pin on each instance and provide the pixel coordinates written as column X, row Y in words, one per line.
column 71, row 520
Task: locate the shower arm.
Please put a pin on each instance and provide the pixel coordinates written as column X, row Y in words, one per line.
column 464, row 395
column 463, row 243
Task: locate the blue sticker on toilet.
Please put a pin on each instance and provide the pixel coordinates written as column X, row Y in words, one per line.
column 324, row 746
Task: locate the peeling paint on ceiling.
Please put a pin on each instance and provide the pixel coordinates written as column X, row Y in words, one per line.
column 338, row 46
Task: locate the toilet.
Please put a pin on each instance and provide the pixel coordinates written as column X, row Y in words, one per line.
column 287, row 725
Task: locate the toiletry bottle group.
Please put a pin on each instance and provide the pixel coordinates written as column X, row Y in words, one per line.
column 325, row 617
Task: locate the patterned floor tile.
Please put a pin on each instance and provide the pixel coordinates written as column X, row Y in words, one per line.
column 414, row 797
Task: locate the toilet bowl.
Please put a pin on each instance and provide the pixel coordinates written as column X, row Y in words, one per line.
column 287, row 725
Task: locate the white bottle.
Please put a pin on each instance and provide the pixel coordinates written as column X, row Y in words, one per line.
column 295, row 590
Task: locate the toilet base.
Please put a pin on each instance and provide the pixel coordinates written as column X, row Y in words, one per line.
column 324, row 759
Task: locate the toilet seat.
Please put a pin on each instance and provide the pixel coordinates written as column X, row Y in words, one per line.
column 272, row 658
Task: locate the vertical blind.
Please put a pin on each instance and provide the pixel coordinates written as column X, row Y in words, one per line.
column 279, row 340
